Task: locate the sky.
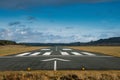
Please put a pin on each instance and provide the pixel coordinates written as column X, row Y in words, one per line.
column 59, row 21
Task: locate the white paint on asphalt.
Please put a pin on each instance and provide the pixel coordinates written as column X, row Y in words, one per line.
column 47, row 53
column 61, row 53
column 55, row 61
column 61, row 59
column 55, row 65
column 56, row 48
column 34, row 54
column 23, row 54
column 64, row 53
column 76, row 53
column 87, row 53
column 45, row 49
column 66, row 49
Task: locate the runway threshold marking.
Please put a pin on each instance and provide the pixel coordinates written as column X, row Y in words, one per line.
column 66, row 49
column 45, row 49
column 87, row 53
column 76, row 53
column 47, row 53
column 64, row 53
column 34, row 54
column 55, row 61
column 23, row 54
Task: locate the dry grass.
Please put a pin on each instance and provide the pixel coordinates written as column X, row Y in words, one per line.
column 14, row 49
column 60, row 75
column 109, row 50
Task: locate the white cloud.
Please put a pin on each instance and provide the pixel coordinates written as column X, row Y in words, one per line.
column 31, row 35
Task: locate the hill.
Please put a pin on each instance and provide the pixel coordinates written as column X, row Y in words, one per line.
column 109, row 41
column 7, row 42
column 114, row 41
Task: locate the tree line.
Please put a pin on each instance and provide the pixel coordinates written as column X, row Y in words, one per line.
column 114, row 41
column 7, row 42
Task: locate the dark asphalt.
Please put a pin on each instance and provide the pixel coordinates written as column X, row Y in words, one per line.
column 89, row 62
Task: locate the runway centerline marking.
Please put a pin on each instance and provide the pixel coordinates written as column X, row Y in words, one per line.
column 56, row 48
column 34, row 54
column 55, row 65
column 76, row 53
column 87, row 53
column 23, row 54
column 47, row 53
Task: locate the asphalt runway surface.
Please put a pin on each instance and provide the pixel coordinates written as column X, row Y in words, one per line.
column 59, row 58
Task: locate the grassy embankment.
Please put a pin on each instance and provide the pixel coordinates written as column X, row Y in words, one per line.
column 60, row 75
column 14, row 49
column 109, row 50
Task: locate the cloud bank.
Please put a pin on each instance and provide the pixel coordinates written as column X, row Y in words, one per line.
column 20, row 31
column 22, row 4
column 27, row 34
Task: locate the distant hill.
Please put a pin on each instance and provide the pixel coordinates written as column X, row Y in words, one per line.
column 7, row 42
column 114, row 41
column 109, row 41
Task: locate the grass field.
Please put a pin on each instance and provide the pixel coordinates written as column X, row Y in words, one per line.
column 109, row 50
column 14, row 49
column 60, row 75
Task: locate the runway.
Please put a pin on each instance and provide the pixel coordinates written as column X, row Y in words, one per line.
column 59, row 58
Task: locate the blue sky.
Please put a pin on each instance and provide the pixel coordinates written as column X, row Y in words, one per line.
column 59, row 20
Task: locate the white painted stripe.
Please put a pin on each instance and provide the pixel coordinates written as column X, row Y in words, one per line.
column 87, row 53
column 34, row 54
column 76, row 53
column 64, row 53
column 47, row 53
column 66, row 49
column 56, row 48
column 55, row 65
column 55, row 59
column 23, row 54
column 45, row 49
